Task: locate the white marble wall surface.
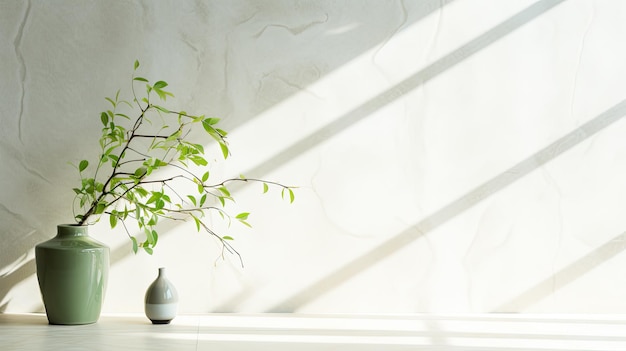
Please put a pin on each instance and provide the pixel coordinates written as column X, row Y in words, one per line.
column 452, row 156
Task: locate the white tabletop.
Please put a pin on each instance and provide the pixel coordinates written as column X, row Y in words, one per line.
column 293, row 332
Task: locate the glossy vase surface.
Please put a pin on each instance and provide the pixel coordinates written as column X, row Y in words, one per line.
column 161, row 303
column 72, row 269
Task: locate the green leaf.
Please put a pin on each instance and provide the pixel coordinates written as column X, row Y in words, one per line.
column 193, row 200
column 153, row 221
column 104, row 118
column 122, row 115
column 198, row 160
column 199, row 147
column 83, row 165
column 135, row 244
column 211, row 121
column 150, row 236
column 159, row 85
column 155, row 196
column 111, row 101
column 207, row 123
column 197, row 222
column 205, row 177
column 226, row 237
column 136, row 64
column 141, row 191
column 140, row 79
column 291, row 196
column 166, row 198
column 225, row 151
column 243, row 216
column 160, row 204
column 159, row 163
column 265, row 188
column 140, row 172
column 100, row 207
column 113, row 159
column 148, row 250
column 113, row 220
column 224, row 191
column 109, row 150
column 160, row 108
column 162, row 93
column 174, row 136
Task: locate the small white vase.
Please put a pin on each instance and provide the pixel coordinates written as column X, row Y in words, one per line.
column 161, row 300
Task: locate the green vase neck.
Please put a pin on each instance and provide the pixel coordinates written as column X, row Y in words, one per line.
column 71, row 230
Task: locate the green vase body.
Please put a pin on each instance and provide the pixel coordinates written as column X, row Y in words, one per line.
column 72, row 269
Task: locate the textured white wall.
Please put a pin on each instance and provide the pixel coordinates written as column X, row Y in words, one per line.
column 453, row 156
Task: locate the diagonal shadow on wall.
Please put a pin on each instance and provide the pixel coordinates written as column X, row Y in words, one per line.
column 414, row 81
column 366, row 109
column 379, row 28
column 455, row 208
column 565, row 276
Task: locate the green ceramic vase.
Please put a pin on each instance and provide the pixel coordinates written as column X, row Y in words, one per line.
column 72, row 269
